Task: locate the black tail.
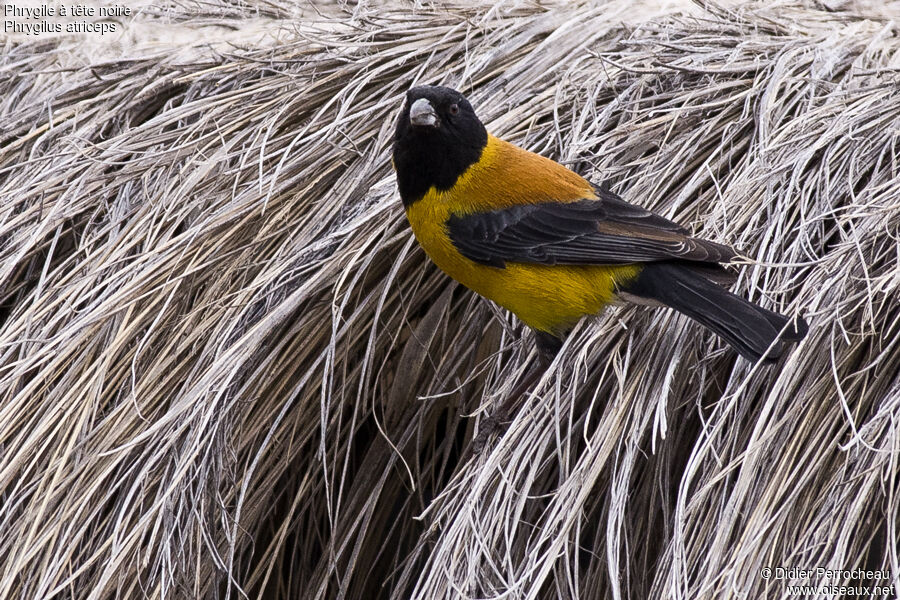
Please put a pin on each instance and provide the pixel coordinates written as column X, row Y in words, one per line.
column 748, row 328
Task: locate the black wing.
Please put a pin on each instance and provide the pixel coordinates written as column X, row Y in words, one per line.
column 587, row 232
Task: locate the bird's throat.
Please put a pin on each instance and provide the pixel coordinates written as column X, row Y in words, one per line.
column 424, row 162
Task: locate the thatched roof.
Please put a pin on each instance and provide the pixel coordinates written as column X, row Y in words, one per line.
column 227, row 370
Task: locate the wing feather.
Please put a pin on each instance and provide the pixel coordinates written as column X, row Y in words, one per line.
column 605, row 231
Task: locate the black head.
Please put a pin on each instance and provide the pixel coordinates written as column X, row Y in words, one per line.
column 438, row 137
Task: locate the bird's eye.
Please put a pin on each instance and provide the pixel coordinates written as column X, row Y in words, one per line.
column 454, row 109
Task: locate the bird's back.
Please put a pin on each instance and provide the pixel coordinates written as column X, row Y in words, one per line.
column 507, row 175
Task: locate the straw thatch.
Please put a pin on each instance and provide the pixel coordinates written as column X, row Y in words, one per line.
column 228, row 371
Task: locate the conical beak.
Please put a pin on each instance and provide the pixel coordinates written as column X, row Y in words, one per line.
column 422, row 114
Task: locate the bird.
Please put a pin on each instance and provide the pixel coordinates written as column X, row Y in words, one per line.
column 550, row 246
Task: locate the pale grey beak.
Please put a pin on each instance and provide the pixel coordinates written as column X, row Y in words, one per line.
column 422, row 114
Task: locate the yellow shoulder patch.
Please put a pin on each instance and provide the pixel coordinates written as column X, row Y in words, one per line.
column 507, row 175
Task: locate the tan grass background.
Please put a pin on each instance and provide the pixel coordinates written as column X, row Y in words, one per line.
column 227, row 371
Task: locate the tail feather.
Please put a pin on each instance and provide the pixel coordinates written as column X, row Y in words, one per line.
column 756, row 333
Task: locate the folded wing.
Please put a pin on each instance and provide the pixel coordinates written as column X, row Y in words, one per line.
column 606, row 231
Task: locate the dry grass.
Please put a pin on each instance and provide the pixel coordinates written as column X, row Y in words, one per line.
column 226, row 369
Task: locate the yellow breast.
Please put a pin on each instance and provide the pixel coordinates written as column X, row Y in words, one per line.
column 548, row 298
